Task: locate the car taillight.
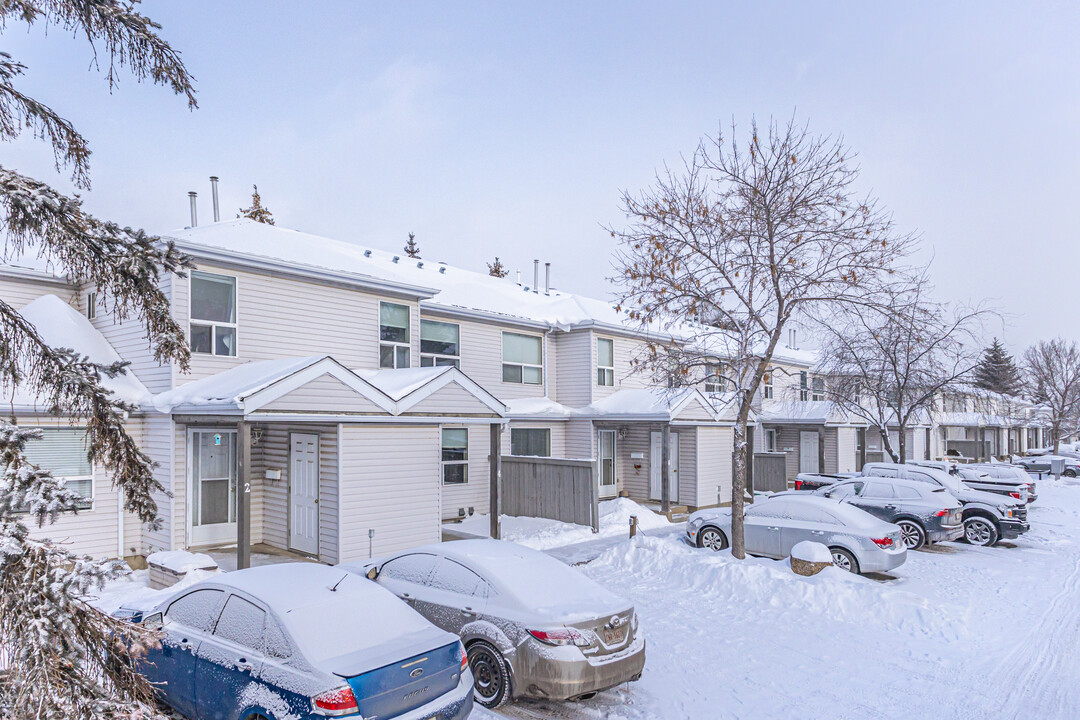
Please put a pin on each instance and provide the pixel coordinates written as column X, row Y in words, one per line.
column 335, row 703
column 1014, row 495
column 798, row 484
column 943, row 513
column 464, row 659
column 883, row 542
column 562, row 636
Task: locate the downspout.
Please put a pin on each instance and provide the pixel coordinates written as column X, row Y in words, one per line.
column 119, row 523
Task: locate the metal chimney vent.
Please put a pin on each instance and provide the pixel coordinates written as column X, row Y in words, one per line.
column 213, row 190
column 194, row 214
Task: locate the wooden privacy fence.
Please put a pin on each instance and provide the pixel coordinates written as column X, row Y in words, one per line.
column 770, row 472
column 552, row 488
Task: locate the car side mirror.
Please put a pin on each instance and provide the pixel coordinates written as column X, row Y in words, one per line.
column 373, row 573
column 153, row 622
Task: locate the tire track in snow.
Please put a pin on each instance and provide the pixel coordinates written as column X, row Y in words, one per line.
column 1041, row 672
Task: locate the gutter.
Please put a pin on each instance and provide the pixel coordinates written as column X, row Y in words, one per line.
column 358, row 280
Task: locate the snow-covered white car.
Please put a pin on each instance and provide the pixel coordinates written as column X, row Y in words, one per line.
column 532, row 626
column 860, row 542
column 1042, row 464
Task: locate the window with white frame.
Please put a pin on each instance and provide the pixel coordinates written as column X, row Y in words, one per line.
column 605, row 362
column 213, row 314
column 530, row 441
column 91, row 305
column 63, row 452
column 804, row 390
column 770, row 440
column 393, row 335
column 455, row 455
column 439, row 344
column 523, row 358
column 714, row 377
column 766, row 385
column 818, row 393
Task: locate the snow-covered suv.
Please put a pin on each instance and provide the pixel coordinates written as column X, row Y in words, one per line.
column 988, row 517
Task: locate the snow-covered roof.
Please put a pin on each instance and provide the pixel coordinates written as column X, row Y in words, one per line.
column 62, row 326
column 816, row 412
column 975, row 419
column 400, row 382
column 537, row 408
column 230, row 387
column 647, row 403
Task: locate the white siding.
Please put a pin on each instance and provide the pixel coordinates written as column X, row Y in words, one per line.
column 325, row 393
column 580, row 439
column 19, row 291
column 157, row 442
column 451, row 399
column 128, row 337
column 474, row 493
column 576, row 374
column 558, row 436
column 633, row 474
column 285, row 317
column 626, row 350
column 389, row 484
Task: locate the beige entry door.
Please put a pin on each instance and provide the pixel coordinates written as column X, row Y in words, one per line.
column 304, row 493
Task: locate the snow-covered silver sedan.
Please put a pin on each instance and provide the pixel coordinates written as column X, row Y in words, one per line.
column 532, row 626
column 859, row 542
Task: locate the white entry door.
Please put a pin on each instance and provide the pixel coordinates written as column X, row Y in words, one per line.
column 304, row 493
column 809, row 453
column 212, row 508
column 656, row 478
column 608, row 480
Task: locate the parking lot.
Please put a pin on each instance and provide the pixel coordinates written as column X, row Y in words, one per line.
column 957, row 631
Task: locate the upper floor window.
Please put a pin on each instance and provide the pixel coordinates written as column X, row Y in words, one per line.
column 213, row 314
column 818, row 389
column 63, row 452
column 455, row 456
column 767, row 386
column 770, row 440
column 605, row 362
column 530, row 441
column 439, row 344
column 523, row 358
column 393, row 335
column 804, row 390
column 714, row 378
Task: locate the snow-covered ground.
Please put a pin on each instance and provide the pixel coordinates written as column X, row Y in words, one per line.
column 960, row 632
column 541, row 534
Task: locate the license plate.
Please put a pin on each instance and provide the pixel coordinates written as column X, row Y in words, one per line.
column 612, row 636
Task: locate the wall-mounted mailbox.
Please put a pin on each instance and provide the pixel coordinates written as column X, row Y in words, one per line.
column 273, row 475
column 637, row 456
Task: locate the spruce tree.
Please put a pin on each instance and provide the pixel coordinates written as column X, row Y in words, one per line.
column 411, row 248
column 63, row 658
column 496, row 269
column 997, row 371
column 257, row 211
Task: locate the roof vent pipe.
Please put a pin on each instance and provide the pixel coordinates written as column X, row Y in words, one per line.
column 213, row 191
column 194, row 215
column 547, row 278
column 536, row 276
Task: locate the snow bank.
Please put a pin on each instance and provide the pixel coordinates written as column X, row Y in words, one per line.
column 134, row 591
column 544, row 534
column 808, row 551
column 766, row 586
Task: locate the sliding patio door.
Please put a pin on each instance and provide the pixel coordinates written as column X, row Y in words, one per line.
column 212, row 509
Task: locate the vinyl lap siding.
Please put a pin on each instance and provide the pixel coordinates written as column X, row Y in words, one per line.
column 19, row 291
column 626, row 375
column 284, row 317
column 128, row 337
column 474, row 493
column 327, row 394
column 390, row 484
column 451, row 399
column 634, row 481
column 157, row 442
column 576, row 373
column 580, row 439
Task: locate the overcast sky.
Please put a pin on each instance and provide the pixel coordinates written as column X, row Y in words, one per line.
column 510, row 128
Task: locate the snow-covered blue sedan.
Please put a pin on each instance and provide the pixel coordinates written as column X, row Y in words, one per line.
column 299, row 642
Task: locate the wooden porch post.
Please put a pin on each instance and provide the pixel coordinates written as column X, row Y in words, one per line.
column 495, row 462
column 665, row 469
column 243, row 496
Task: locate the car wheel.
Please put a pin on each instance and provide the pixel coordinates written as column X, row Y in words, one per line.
column 844, row 560
column 980, row 531
column 912, row 534
column 491, row 677
column 1069, row 473
column 712, row 539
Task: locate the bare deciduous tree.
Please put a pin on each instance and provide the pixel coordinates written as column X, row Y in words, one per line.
column 887, row 365
column 741, row 241
column 1051, row 371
